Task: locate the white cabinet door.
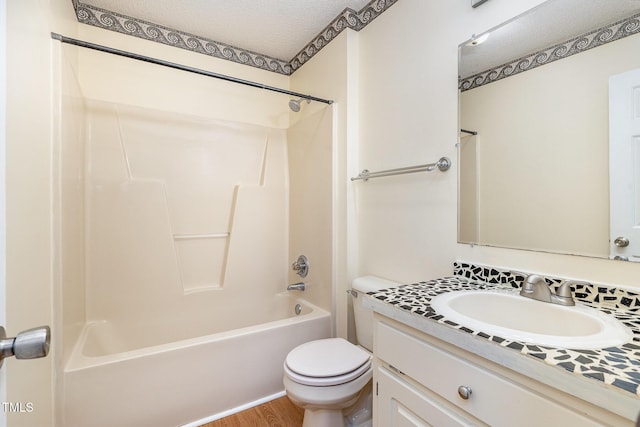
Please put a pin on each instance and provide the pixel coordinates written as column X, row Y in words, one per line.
column 399, row 404
column 624, row 164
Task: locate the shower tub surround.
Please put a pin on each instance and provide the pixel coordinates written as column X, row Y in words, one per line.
column 613, row 372
column 175, row 249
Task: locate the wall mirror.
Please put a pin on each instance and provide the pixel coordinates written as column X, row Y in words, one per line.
column 534, row 113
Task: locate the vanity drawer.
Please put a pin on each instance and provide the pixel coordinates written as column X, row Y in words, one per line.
column 494, row 399
column 401, row 404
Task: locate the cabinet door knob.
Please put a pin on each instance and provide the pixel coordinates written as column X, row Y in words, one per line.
column 464, row 392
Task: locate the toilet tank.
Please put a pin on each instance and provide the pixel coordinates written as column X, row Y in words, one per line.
column 364, row 316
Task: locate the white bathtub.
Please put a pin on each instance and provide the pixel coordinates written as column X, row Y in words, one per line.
column 172, row 376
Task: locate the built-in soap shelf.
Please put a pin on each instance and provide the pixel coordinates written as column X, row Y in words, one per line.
column 200, row 236
column 202, row 260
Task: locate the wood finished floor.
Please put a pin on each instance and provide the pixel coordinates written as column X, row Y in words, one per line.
column 276, row 413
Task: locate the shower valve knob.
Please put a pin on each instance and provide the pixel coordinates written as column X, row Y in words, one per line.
column 301, row 266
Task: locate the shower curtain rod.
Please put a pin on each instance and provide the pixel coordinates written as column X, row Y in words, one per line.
column 180, row 67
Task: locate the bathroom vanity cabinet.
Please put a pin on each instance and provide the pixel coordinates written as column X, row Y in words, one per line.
column 420, row 380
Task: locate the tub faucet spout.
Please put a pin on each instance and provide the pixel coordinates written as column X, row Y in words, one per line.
column 296, row 287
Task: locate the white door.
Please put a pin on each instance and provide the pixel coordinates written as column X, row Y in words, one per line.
column 32, row 343
column 624, row 165
column 3, row 115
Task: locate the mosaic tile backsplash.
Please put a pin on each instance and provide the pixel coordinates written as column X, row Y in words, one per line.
column 618, row 367
column 589, row 293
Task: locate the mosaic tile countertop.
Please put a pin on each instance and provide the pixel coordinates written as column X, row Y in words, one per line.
column 618, row 367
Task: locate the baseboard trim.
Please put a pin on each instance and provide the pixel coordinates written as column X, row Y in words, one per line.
column 235, row 410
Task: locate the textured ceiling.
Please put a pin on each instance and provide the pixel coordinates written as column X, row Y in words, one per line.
column 275, row 28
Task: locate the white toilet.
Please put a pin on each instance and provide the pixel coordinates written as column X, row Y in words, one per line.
column 331, row 378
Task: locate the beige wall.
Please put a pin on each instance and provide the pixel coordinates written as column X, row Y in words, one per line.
column 309, row 144
column 407, row 224
column 332, row 74
column 543, row 168
column 126, row 81
column 407, row 116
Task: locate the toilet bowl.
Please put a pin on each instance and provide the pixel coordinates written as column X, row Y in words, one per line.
column 331, row 377
column 324, row 377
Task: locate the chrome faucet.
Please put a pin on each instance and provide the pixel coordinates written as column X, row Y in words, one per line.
column 296, row 287
column 535, row 287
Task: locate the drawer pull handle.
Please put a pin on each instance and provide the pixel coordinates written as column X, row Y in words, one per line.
column 464, row 392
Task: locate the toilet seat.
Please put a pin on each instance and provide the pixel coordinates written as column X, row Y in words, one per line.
column 327, row 381
column 326, row 362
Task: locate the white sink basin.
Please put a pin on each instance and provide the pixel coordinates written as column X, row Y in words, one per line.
column 506, row 314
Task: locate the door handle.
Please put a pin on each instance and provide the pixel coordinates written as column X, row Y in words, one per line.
column 621, row 242
column 29, row 344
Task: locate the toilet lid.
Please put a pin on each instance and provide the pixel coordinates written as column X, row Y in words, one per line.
column 332, row 360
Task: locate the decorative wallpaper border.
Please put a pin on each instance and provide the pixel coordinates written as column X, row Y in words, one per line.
column 108, row 20
column 599, row 37
column 349, row 18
